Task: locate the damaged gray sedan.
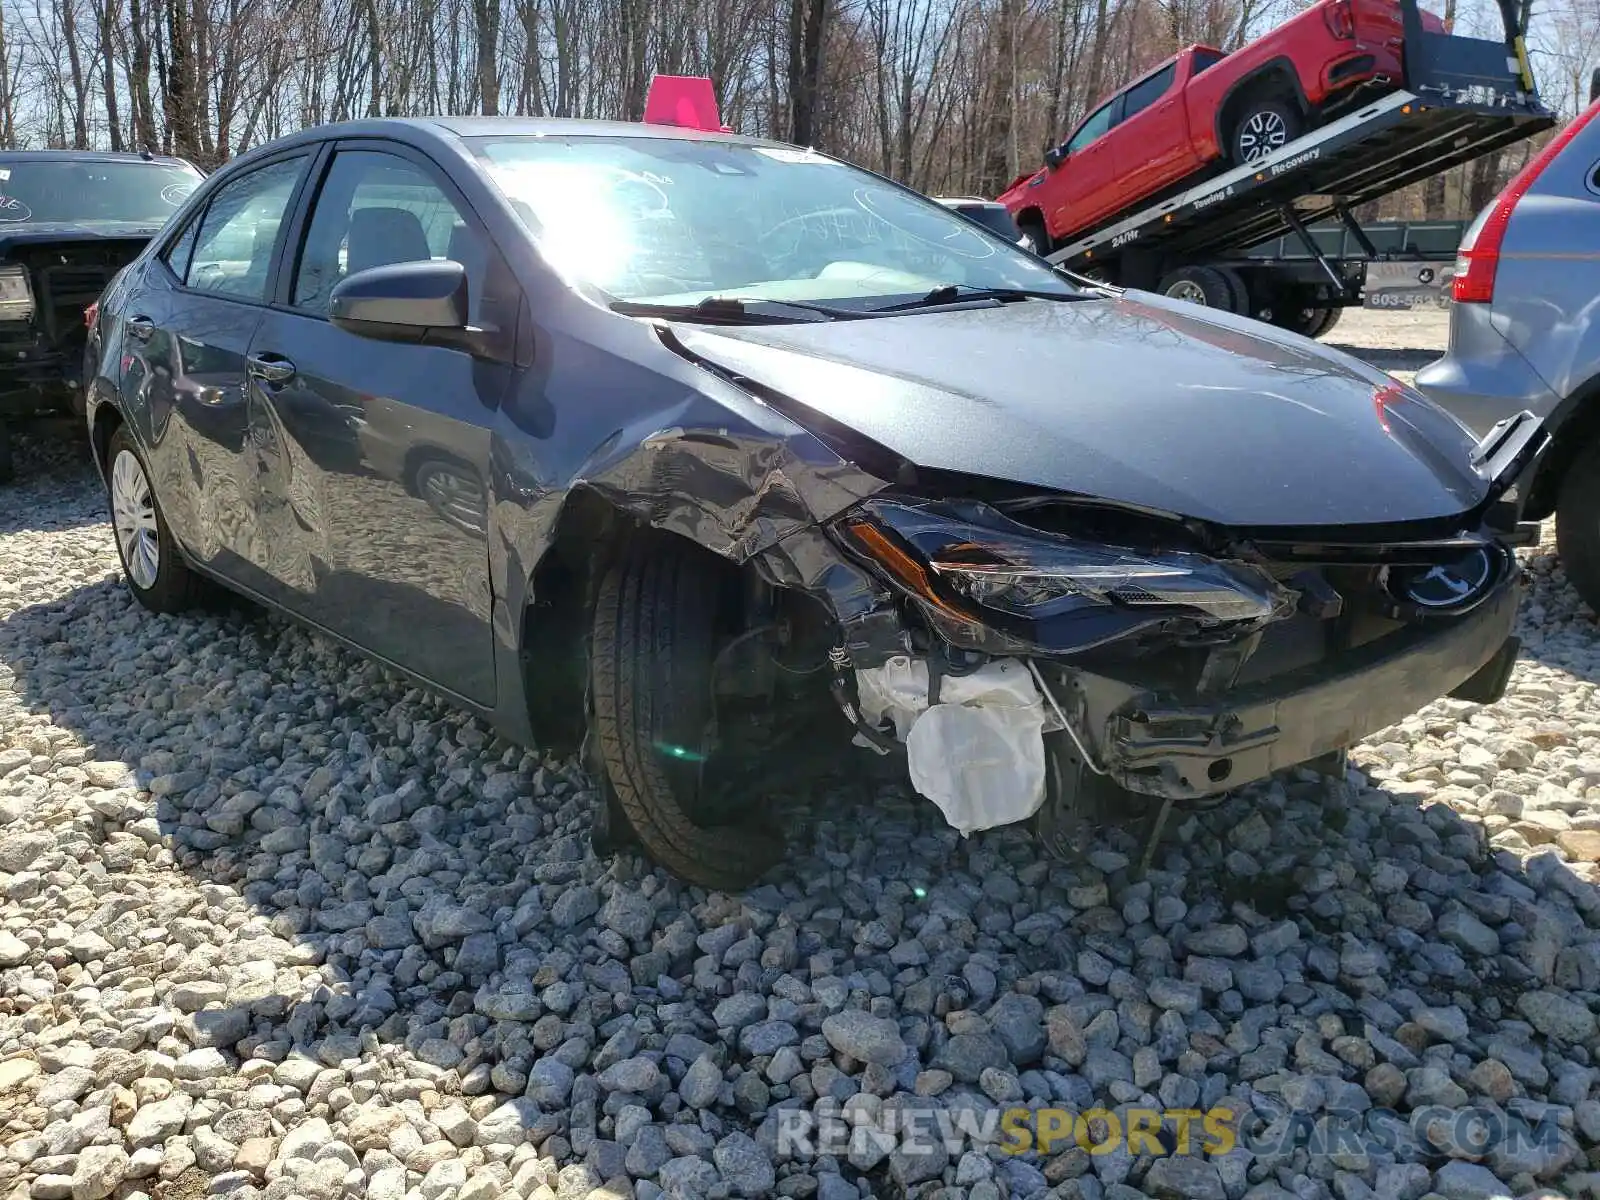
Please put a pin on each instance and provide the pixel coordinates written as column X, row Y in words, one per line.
column 666, row 445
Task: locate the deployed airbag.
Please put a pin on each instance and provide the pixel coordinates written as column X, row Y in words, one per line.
column 978, row 753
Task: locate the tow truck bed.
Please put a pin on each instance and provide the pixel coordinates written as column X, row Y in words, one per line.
column 1367, row 153
column 1464, row 97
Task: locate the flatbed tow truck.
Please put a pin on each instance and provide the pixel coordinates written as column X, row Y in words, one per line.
column 1463, row 98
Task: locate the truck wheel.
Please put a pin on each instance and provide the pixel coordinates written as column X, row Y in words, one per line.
column 8, row 467
column 654, row 640
column 1200, row 285
column 156, row 573
column 1290, row 314
column 1033, row 231
column 1578, row 524
column 1330, row 318
column 1265, row 126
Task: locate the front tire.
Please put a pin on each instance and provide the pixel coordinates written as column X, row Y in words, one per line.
column 653, row 644
column 1033, row 232
column 1265, row 126
column 156, row 574
column 1578, row 525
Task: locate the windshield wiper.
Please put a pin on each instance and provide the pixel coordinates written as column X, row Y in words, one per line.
column 961, row 293
column 736, row 311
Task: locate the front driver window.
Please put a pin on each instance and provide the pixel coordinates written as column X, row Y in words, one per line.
column 377, row 209
column 1091, row 129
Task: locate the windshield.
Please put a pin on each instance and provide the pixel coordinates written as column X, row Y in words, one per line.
column 138, row 193
column 672, row 221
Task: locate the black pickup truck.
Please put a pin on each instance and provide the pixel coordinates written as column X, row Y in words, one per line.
column 69, row 221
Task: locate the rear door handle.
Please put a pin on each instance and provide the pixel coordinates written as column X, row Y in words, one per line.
column 141, row 328
column 271, row 368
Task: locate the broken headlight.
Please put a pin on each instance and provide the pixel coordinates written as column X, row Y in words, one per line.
column 947, row 554
column 16, row 294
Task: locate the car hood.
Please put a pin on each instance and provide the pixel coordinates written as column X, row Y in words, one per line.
column 1136, row 400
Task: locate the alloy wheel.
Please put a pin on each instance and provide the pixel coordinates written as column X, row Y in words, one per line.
column 1262, row 135
column 133, row 514
column 1188, row 290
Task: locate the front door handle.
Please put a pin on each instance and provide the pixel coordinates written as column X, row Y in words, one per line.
column 271, row 368
column 141, row 327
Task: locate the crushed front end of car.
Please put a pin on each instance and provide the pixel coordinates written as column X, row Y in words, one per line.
column 1079, row 663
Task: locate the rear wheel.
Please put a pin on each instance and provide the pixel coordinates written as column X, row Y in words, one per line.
column 1266, row 125
column 1329, row 320
column 1202, row 285
column 157, row 575
column 1034, row 234
column 654, row 642
column 1578, row 525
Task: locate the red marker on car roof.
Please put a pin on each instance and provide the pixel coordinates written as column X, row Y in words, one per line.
column 687, row 101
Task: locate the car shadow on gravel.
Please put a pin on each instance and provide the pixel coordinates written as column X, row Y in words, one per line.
column 56, row 486
column 388, row 882
column 1558, row 630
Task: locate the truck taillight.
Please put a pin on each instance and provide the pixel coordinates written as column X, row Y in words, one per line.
column 1478, row 260
column 1341, row 20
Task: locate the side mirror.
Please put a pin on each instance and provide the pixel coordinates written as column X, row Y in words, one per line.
column 1054, row 157
column 404, row 302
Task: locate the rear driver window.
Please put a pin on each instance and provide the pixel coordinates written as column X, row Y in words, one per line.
column 233, row 252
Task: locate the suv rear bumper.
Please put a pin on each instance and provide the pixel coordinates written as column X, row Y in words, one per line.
column 1187, row 751
column 1483, row 378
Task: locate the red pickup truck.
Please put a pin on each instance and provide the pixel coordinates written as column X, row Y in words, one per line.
column 1203, row 106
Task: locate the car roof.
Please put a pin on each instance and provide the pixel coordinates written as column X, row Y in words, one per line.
column 108, row 156
column 466, row 127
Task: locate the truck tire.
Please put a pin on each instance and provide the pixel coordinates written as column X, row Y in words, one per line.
column 1037, row 237
column 1578, row 524
column 1241, row 292
column 1291, row 315
column 653, row 643
column 1266, row 124
column 1206, row 286
column 8, row 466
column 1330, row 318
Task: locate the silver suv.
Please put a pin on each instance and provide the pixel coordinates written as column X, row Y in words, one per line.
column 1525, row 332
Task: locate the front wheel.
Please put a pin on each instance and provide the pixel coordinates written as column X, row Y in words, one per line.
column 1264, row 127
column 1034, row 238
column 157, row 575
column 653, row 646
column 1578, row 524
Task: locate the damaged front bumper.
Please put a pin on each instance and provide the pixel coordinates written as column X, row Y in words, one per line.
column 1187, row 749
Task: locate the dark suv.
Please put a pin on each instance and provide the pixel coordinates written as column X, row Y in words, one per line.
column 69, row 221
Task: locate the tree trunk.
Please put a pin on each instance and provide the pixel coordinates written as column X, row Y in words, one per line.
column 80, row 85
column 807, row 25
column 487, row 14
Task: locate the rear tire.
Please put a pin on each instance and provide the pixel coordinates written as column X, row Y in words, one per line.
column 1265, row 125
column 1578, row 525
column 1205, row 286
column 653, row 644
column 1034, row 231
column 155, row 572
column 1329, row 320
column 8, row 466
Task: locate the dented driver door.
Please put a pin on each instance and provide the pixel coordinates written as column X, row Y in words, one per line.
column 376, row 470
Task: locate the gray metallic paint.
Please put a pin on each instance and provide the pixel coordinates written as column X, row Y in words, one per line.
column 297, row 494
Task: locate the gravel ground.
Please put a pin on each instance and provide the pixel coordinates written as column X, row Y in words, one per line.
column 274, row 923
